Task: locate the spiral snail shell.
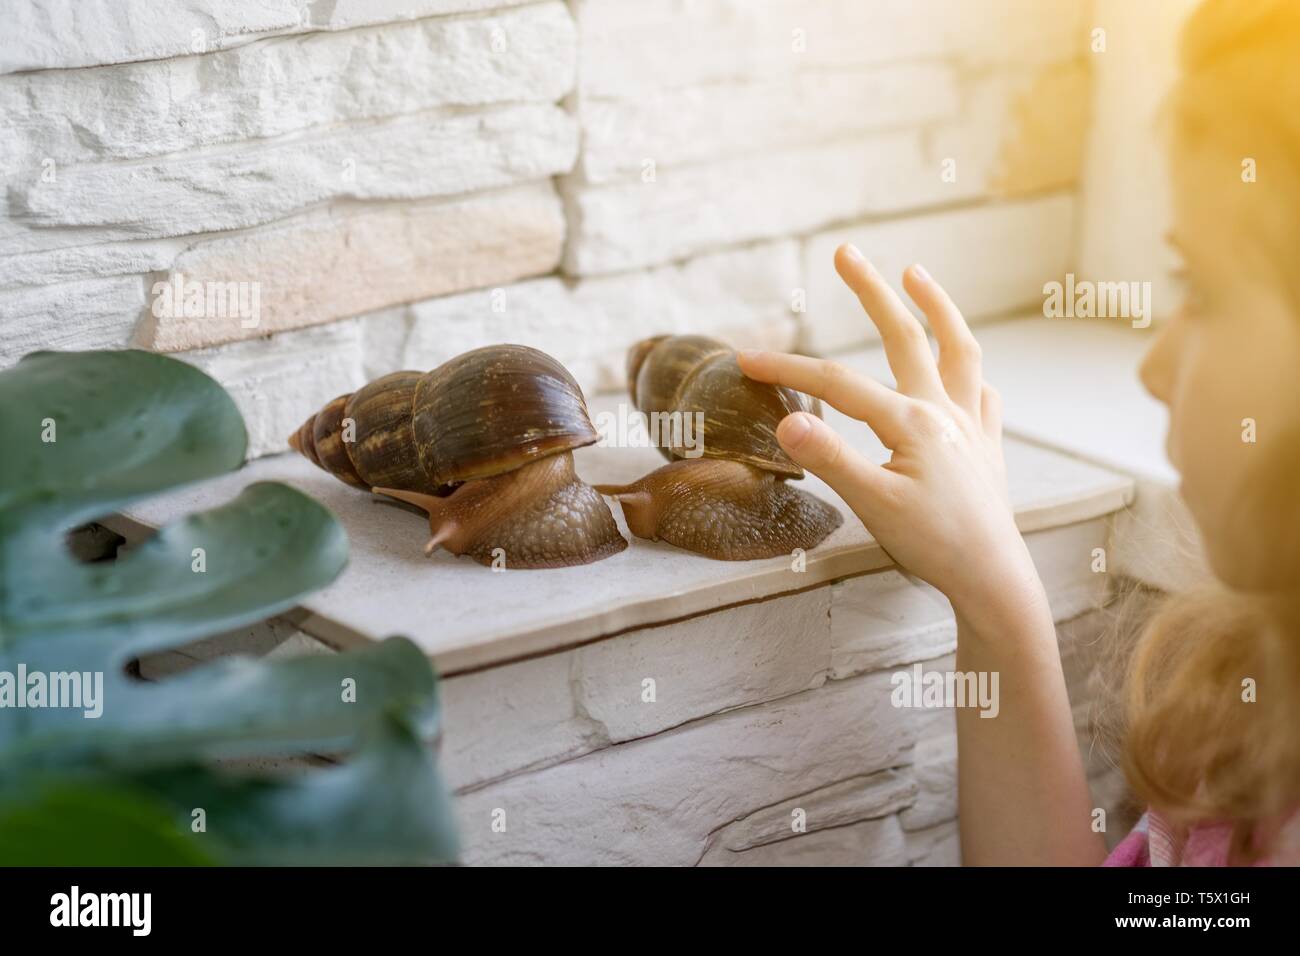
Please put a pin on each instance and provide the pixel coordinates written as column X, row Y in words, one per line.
column 726, row 497
column 484, row 444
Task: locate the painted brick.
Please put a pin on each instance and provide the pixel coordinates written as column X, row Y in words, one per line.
column 890, row 619
column 268, row 89
column 935, row 769
column 999, row 145
column 830, row 808
column 697, row 124
column 691, row 209
column 627, row 50
column 59, row 34
column 870, row 843
column 85, row 314
column 705, row 665
column 345, row 14
column 657, row 799
column 511, row 718
column 346, row 262
column 259, row 182
column 885, row 620
column 88, row 262
column 555, row 707
column 936, row 846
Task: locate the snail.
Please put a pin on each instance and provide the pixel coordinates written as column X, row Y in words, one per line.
column 484, row 444
column 724, row 493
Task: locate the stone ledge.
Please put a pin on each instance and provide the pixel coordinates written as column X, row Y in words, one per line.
column 390, row 587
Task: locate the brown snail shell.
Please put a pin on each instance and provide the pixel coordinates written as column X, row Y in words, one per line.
column 384, row 447
column 727, row 497
column 495, row 409
column 695, row 374
column 484, row 444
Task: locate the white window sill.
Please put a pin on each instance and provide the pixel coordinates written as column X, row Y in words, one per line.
column 1072, row 385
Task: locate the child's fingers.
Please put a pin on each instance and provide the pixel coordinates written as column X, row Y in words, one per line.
column 816, row 446
column 855, row 395
column 959, row 354
column 906, row 345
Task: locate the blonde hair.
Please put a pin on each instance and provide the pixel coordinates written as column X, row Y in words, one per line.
column 1192, row 748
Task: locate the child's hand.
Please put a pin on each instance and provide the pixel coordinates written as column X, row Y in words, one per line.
column 940, row 506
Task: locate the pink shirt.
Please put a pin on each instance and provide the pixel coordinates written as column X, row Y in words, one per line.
column 1155, row 841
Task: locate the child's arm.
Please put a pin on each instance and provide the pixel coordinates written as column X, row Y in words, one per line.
column 940, row 509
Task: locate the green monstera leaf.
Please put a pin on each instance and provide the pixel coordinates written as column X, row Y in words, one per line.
column 85, row 434
column 70, row 823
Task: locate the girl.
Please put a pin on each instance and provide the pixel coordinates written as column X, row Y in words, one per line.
column 1220, row 774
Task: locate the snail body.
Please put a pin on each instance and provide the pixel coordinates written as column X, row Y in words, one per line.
column 483, row 443
column 726, row 497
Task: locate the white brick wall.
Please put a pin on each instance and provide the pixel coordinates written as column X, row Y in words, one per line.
column 406, row 179
column 758, row 711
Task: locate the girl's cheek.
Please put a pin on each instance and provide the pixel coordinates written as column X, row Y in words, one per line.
column 1204, row 442
column 1219, row 382
column 1164, row 374
column 1159, row 368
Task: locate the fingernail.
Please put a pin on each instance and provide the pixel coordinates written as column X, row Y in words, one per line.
column 918, row 270
column 795, row 430
column 749, row 354
column 854, row 253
